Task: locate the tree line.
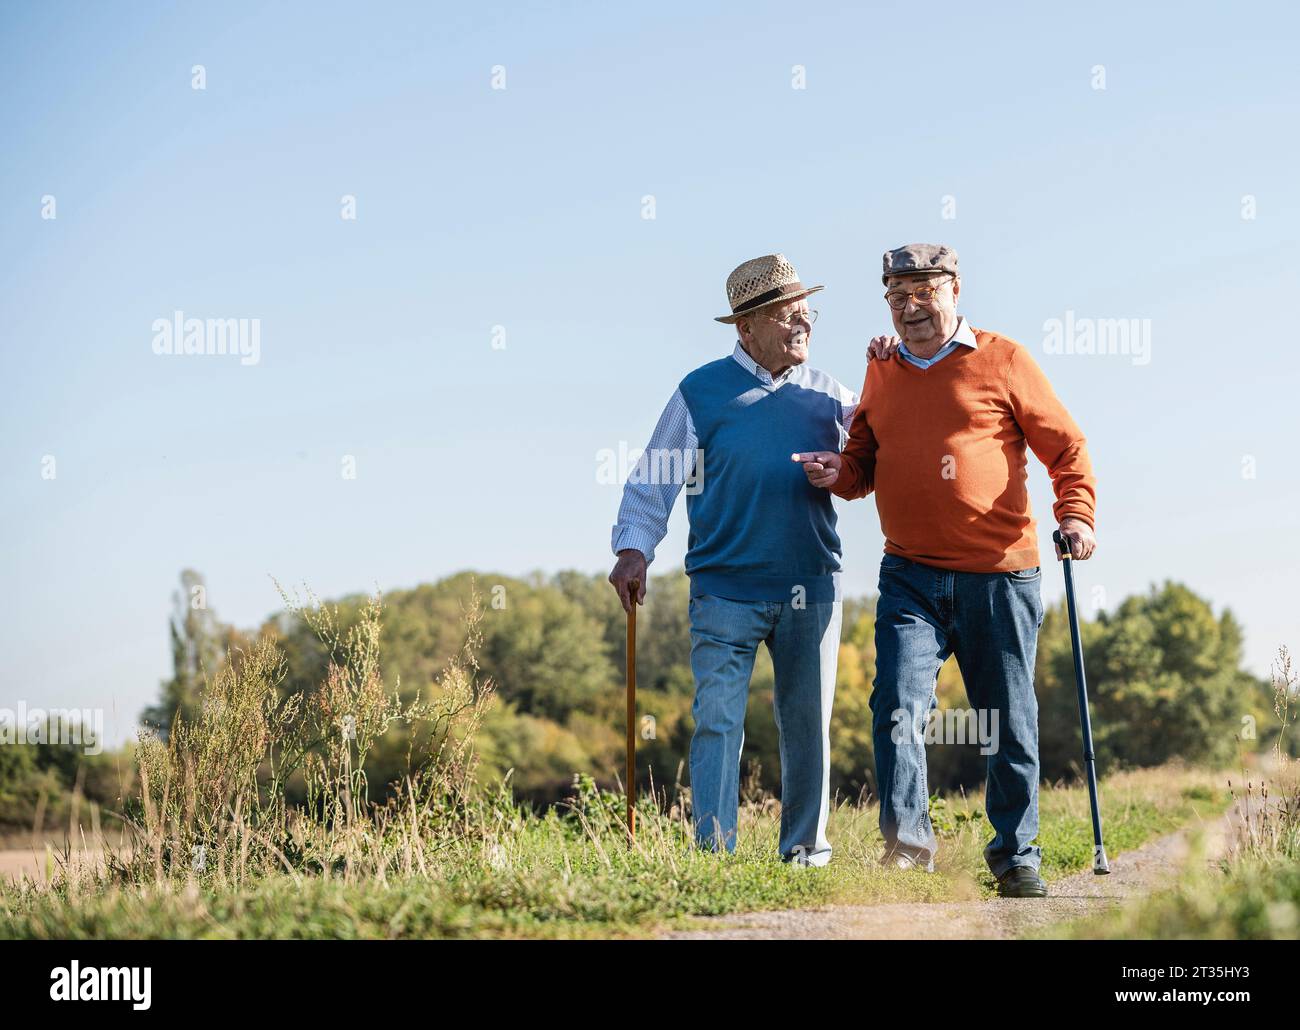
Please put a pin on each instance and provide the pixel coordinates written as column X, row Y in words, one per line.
column 1164, row 671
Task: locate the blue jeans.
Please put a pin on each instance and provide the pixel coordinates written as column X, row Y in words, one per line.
column 990, row 621
column 804, row 645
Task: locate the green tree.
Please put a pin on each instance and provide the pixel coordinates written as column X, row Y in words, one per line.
column 197, row 640
column 1168, row 681
column 1164, row 674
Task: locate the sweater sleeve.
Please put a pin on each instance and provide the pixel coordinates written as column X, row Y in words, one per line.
column 857, row 476
column 1054, row 438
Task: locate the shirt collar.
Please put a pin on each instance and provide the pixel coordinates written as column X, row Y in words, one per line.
column 755, row 369
column 964, row 334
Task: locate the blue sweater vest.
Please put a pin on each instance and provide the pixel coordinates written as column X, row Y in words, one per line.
column 759, row 531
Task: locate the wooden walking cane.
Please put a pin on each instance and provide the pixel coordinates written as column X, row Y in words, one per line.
column 1099, row 864
column 634, row 588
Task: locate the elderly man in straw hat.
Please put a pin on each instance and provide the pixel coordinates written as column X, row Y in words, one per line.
column 763, row 558
column 940, row 438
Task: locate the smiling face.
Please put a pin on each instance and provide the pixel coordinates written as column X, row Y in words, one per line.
column 925, row 326
column 773, row 343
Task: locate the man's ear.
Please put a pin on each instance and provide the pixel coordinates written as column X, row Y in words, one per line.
column 956, row 287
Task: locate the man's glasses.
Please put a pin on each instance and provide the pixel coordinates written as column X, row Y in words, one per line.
column 897, row 299
column 799, row 316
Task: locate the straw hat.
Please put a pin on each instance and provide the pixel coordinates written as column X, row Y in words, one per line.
column 769, row 279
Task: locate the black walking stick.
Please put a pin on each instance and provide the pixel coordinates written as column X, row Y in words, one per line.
column 1099, row 864
column 630, row 780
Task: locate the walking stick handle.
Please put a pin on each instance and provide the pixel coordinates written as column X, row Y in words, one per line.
column 1062, row 544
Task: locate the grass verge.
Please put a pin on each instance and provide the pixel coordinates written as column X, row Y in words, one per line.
column 571, row 874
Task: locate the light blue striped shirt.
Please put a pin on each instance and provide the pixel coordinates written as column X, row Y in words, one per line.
column 643, row 514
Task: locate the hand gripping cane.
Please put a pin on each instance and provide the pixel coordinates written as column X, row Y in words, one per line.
column 1099, row 864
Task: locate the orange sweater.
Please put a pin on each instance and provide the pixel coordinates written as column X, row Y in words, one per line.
column 944, row 450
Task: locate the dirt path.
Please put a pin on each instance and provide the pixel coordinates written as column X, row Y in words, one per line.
column 31, row 862
column 1134, row 874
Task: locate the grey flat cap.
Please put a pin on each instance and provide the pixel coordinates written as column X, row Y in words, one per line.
column 919, row 258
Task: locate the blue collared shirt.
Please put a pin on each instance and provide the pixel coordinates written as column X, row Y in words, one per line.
column 963, row 337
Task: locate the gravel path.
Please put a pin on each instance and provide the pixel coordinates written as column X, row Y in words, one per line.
column 1134, row 874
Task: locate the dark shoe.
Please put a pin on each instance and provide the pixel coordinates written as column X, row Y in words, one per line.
column 1021, row 882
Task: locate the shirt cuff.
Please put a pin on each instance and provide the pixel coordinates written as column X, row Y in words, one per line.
column 630, row 537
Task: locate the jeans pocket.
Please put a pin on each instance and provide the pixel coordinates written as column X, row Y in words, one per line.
column 1033, row 573
column 893, row 563
column 704, row 609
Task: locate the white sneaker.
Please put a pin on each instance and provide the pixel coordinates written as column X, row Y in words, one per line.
column 900, row 860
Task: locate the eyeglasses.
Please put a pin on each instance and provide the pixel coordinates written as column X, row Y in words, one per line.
column 802, row 316
column 897, row 299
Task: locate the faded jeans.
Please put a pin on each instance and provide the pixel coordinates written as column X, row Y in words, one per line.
column 990, row 621
column 804, row 645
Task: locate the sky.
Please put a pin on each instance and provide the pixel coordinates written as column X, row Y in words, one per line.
column 547, row 202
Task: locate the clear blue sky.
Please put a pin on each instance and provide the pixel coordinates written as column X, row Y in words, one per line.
column 522, row 208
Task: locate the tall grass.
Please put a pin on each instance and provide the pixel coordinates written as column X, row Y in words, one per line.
column 1252, row 890
column 213, row 807
column 1269, row 820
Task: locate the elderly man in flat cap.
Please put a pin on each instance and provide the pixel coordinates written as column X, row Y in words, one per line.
column 764, row 556
column 940, row 438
